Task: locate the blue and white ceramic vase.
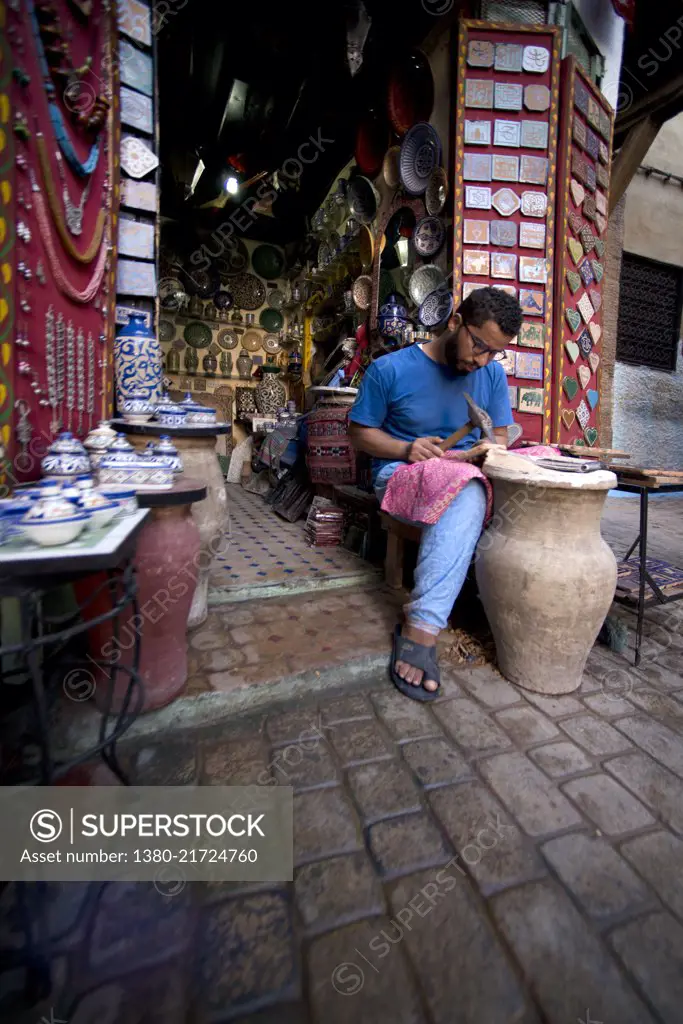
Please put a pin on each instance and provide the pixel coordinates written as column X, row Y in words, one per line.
column 137, row 361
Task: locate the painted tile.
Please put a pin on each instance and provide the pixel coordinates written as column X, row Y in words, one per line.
column 593, row 114
column 136, row 239
column 477, row 167
column 601, row 224
column 134, row 278
column 528, row 366
column 506, row 133
column 585, row 307
column 135, row 21
column 578, row 192
column 568, row 417
column 531, row 335
column 573, row 351
column 584, row 375
column 535, row 134
column 503, row 232
column 533, row 270
column 575, row 221
column 532, row 302
column 136, row 68
column 596, row 298
column 136, row 111
column 477, row 198
column 592, row 144
column 583, row 414
column 575, row 249
column 479, row 93
column 594, row 360
column 508, row 363
column 508, row 96
column 137, row 159
column 579, row 131
column 585, row 343
column 512, row 396
column 573, row 318
column 570, row 387
column 478, row 133
column 505, row 168
column 536, row 59
column 534, row 204
column 536, row 97
column 574, row 281
column 531, row 235
column 505, row 202
column 508, row 57
column 605, row 125
column 480, row 54
column 587, row 238
column 602, row 176
column 475, row 232
column 475, row 261
column 586, row 272
column 530, row 400
column 591, row 178
column 603, row 153
column 504, row 264
column 589, row 208
column 581, row 96
column 601, row 202
column 139, row 195
column 533, row 170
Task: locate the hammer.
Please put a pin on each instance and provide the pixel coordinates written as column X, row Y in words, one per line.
column 478, row 418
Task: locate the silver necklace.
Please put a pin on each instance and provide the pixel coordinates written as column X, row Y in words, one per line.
column 61, row 346
column 70, row 371
column 91, row 379
column 51, row 368
column 73, row 212
column 80, row 376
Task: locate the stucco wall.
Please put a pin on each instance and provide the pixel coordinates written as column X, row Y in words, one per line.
column 607, row 31
column 648, row 404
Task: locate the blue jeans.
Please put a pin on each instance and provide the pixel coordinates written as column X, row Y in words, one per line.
column 446, row 550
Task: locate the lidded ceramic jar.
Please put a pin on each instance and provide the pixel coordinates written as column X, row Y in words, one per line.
column 244, row 364
column 166, row 450
column 137, row 360
column 98, row 440
column 392, row 319
column 66, row 458
column 53, row 504
column 270, row 392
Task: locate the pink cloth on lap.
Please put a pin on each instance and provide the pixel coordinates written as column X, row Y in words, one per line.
column 423, row 491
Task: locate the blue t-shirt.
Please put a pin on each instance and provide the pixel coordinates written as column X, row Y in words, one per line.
column 409, row 395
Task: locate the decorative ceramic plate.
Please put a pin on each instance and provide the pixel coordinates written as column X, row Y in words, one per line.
column 248, row 291
column 424, row 281
column 372, row 138
column 420, row 155
column 252, row 341
column 411, row 92
column 197, row 334
column 276, row 299
column 223, row 300
column 429, row 236
column 390, row 167
column 166, row 330
column 271, row 320
column 235, row 260
column 202, row 283
column 271, row 344
column 362, row 291
column 436, row 308
column 362, row 199
column 267, row 261
column 171, row 293
column 437, row 192
column 228, row 339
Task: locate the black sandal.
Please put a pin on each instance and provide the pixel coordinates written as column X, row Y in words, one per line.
column 419, row 656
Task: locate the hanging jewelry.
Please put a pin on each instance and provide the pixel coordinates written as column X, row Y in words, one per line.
column 80, row 376
column 24, row 432
column 82, row 168
column 61, row 347
column 70, row 370
column 90, row 409
column 51, row 367
column 40, row 272
column 84, row 295
column 81, row 256
column 73, row 212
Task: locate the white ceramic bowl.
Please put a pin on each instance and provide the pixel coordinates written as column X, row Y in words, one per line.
column 54, row 532
column 124, row 497
column 100, row 515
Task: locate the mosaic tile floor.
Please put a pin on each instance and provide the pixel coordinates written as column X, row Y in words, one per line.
column 265, row 549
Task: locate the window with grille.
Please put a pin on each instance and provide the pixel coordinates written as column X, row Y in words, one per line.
column 525, row 12
column 579, row 42
column 650, row 305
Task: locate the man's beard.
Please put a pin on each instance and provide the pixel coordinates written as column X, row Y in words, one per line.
column 450, row 352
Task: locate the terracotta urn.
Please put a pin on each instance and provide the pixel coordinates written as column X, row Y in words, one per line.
column 546, row 577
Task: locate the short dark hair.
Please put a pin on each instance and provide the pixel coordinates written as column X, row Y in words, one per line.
column 492, row 304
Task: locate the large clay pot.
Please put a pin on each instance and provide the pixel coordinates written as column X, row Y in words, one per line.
column 137, row 361
column 546, row 577
column 270, row 392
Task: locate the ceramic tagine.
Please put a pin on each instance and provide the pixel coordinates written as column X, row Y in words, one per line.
column 97, row 442
column 138, row 408
column 167, row 451
column 66, row 458
column 392, row 320
column 52, row 504
column 137, row 361
column 270, row 392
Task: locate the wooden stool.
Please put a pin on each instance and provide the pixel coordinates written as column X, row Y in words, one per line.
column 397, row 534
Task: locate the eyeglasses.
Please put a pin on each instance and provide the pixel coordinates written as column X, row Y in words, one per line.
column 481, row 348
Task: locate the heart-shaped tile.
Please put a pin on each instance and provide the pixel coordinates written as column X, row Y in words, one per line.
column 593, row 398
column 585, row 343
column 583, row 414
column 596, row 332
column 579, row 443
column 578, row 192
column 600, row 247
column 584, row 375
column 572, row 350
column 568, row 417
column 591, row 435
column 598, row 270
column 574, row 281
column 575, row 221
column 601, row 222
column 575, row 249
column 571, row 387
column 589, row 208
column 594, row 359
column 573, row 318
column 596, row 298
column 587, row 239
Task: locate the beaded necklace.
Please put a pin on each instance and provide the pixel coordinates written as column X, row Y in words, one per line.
column 81, row 256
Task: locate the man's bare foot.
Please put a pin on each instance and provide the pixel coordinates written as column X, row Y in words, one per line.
column 413, row 675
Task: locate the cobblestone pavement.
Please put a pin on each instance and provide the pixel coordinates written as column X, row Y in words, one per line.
column 493, row 858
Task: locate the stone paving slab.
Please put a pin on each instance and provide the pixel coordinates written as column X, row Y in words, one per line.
column 494, row 856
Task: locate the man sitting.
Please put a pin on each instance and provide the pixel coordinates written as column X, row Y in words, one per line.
column 408, row 402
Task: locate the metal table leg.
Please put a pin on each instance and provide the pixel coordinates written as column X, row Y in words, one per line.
column 642, row 545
